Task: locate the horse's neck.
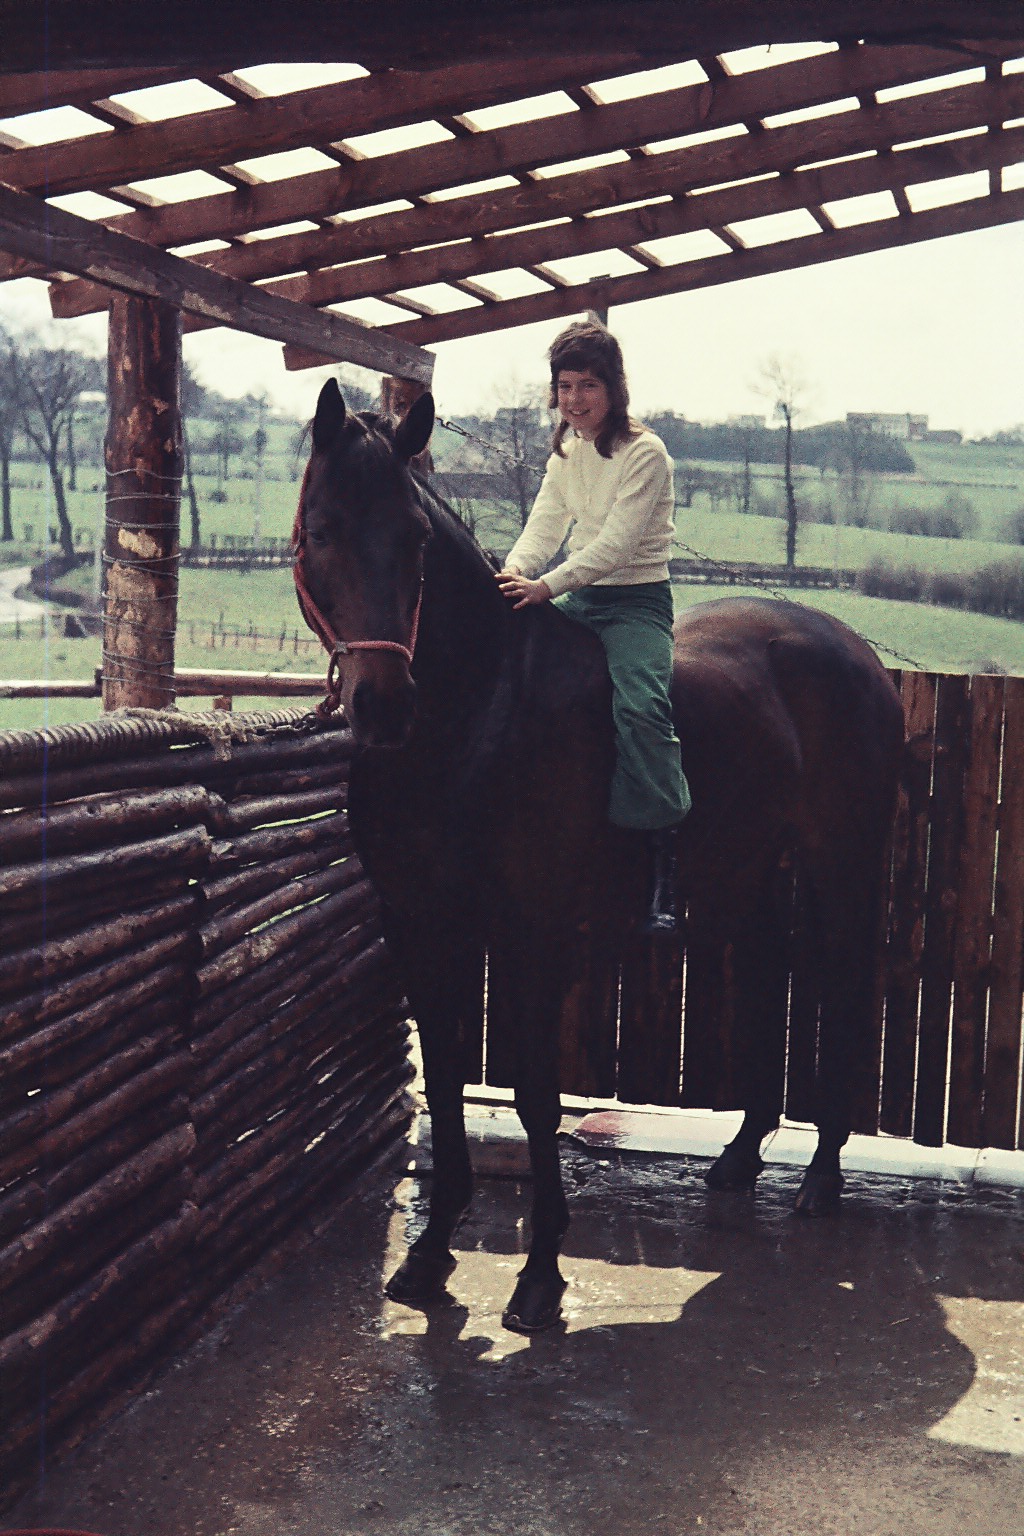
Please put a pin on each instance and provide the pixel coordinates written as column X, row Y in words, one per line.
column 464, row 627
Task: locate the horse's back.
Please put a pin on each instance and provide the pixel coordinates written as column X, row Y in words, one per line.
column 786, row 717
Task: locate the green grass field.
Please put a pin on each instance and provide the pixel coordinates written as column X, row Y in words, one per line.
column 217, row 609
column 936, row 638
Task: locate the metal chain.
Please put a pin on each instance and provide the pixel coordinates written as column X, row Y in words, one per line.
column 502, row 453
column 732, row 572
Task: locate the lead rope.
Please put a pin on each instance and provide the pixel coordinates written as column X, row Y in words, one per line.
column 321, row 626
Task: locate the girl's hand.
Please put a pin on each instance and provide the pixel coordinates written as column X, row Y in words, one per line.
column 521, row 591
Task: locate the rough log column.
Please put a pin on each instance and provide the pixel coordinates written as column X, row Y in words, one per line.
column 144, row 467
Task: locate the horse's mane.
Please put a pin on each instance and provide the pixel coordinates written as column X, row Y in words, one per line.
column 443, row 517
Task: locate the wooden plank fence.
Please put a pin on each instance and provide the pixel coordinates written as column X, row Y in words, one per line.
column 186, row 1067
column 946, row 1048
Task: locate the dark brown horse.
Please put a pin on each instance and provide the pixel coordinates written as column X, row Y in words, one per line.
column 478, row 804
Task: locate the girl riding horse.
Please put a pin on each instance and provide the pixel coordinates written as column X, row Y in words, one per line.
column 610, row 489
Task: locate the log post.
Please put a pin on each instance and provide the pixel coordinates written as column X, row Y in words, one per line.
column 144, row 462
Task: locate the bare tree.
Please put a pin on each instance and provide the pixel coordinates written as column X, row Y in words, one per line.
column 782, row 382
column 689, row 480
column 9, row 416
column 48, row 382
column 193, row 402
column 522, row 436
column 857, row 482
column 745, row 480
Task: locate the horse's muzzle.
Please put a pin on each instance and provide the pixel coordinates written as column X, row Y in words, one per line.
column 382, row 717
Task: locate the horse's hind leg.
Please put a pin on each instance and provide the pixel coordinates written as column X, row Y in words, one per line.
column 760, row 988
column 539, row 985
column 848, row 917
column 434, row 996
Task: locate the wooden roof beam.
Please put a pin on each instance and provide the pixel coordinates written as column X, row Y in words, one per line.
column 511, row 150
column 779, row 149
column 810, row 250
column 470, row 259
column 390, row 99
column 21, row 94
column 579, row 193
column 63, row 241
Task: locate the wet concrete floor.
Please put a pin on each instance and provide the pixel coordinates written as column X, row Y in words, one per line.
column 723, row 1368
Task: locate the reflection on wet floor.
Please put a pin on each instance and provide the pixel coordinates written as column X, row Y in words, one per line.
column 723, row 1368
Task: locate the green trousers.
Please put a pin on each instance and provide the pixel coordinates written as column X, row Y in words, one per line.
column 649, row 790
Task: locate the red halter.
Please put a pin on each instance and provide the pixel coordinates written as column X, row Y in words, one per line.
column 321, row 626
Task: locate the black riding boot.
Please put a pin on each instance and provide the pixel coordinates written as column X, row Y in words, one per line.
column 661, row 906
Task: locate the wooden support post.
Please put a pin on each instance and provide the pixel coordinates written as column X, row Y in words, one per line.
column 144, row 467
column 397, row 396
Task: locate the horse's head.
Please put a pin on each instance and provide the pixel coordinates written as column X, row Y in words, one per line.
column 361, row 541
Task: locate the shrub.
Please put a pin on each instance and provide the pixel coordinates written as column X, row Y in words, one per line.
column 1013, row 528
column 951, row 589
column 929, row 522
column 999, row 589
column 960, row 510
column 905, row 583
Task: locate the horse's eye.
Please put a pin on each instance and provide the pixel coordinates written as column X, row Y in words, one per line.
column 317, row 535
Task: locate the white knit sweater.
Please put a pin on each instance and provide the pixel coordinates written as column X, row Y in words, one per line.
column 621, row 511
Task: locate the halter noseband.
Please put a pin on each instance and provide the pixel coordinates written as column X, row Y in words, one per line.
column 321, row 626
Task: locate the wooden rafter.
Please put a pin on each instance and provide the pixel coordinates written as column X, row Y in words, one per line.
column 474, row 157
column 58, row 239
column 675, row 173
column 73, row 88
column 391, row 99
column 624, row 231
column 809, row 250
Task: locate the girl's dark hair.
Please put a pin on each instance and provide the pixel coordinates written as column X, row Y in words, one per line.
column 588, row 346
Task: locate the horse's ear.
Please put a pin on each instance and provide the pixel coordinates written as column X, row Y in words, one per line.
column 413, row 432
column 329, row 418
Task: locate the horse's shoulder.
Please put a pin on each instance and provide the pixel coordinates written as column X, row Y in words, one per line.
column 563, row 666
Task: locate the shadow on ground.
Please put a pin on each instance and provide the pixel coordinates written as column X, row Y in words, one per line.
column 723, row 1368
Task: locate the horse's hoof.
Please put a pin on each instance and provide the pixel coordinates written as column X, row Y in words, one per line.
column 819, row 1194
column 419, row 1278
column 536, row 1304
column 734, row 1169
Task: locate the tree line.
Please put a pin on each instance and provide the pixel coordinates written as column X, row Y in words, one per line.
column 53, row 413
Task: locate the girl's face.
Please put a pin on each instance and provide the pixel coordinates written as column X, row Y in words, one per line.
column 583, row 401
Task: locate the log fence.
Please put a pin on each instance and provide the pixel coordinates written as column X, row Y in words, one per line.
column 186, row 1067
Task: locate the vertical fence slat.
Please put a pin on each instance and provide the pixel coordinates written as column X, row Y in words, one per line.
column 587, row 1044
column 906, row 932
column 471, row 1013
column 940, row 910
column 650, row 1026
column 802, row 1028
column 499, row 1055
column 974, row 911
column 707, row 1027
column 1002, row 1057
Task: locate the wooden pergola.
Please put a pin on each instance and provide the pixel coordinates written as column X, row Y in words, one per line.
column 484, row 166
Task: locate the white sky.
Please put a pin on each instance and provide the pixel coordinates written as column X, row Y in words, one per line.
column 936, row 328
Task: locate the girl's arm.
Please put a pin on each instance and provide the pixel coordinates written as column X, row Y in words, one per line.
column 546, row 526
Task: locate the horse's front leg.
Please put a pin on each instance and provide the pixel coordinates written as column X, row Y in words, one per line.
column 435, row 999
column 536, row 1300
